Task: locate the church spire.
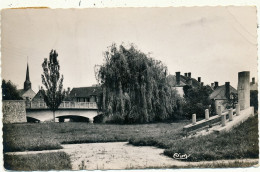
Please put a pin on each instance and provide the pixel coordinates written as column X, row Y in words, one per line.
column 27, row 73
column 27, row 82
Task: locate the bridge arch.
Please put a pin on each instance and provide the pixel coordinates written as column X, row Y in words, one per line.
column 73, row 118
column 32, row 120
column 44, row 115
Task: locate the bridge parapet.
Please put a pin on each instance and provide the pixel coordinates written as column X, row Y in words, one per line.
column 63, row 105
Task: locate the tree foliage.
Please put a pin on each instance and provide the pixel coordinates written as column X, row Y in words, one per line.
column 135, row 89
column 196, row 100
column 231, row 101
column 53, row 82
column 9, row 91
column 254, row 99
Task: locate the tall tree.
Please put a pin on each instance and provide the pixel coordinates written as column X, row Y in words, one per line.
column 134, row 85
column 196, row 100
column 53, row 82
column 9, row 91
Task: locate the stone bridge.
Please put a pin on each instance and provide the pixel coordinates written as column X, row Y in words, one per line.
column 68, row 111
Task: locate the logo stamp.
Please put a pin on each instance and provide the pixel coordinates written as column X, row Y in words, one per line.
column 181, row 156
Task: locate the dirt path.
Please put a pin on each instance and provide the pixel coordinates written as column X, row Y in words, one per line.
column 117, row 155
column 120, row 155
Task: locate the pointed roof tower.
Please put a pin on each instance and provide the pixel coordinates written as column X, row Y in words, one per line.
column 27, row 82
column 27, row 73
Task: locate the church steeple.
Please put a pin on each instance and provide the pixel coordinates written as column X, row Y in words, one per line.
column 27, row 82
column 27, row 73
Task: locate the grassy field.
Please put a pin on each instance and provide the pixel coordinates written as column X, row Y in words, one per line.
column 242, row 142
column 47, row 161
column 236, row 164
column 44, row 136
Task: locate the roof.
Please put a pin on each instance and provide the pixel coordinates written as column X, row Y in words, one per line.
column 172, row 81
column 183, row 81
column 85, row 91
column 21, row 91
column 29, row 93
column 220, row 92
column 38, row 96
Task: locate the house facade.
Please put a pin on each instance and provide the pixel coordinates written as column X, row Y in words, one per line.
column 221, row 95
column 85, row 94
column 178, row 81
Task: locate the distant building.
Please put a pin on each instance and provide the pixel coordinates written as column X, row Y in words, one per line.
column 178, row 81
column 39, row 96
column 253, row 85
column 221, row 94
column 85, row 94
column 27, row 93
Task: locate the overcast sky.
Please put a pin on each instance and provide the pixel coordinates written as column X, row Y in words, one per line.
column 214, row 43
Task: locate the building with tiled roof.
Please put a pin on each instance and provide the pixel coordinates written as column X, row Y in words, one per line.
column 178, row 81
column 85, row 94
column 38, row 96
column 221, row 94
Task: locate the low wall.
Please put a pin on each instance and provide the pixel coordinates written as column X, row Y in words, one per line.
column 13, row 111
column 244, row 115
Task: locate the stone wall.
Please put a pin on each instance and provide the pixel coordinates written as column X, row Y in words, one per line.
column 13, row 111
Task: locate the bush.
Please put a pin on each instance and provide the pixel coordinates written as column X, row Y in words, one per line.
column 114, row 119
column 99, row 118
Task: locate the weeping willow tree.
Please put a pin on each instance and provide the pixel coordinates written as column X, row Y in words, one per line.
column 135, row 88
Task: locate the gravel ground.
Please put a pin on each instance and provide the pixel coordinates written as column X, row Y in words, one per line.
column 121, row 155
column 117, row 155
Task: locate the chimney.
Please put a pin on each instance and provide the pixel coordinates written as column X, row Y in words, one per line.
column 178, row 78
column 212, row 85
column 227, row 88
column 189, row 74
column 202, row 83
column 215, row 85
column 253, row 80
column 185, row 74
column 199, row 79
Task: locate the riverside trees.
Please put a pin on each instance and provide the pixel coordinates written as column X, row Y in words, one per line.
column 135, row 89
column 9, row 91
